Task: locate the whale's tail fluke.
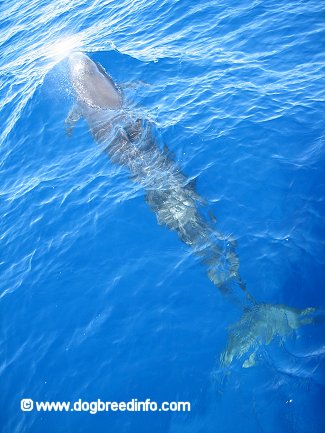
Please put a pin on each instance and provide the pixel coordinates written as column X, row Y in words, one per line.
column 259, row 325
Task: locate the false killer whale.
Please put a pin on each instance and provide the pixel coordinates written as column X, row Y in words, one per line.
column 129, row 142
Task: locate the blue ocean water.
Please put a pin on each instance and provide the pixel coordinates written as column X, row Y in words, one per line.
column 100, row 302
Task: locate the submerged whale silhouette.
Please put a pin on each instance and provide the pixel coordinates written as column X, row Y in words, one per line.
column 129, row 142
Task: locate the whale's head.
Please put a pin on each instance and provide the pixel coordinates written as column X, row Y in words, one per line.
column 92, row 85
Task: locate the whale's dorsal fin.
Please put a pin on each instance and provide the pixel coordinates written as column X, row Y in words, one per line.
column 72, row 118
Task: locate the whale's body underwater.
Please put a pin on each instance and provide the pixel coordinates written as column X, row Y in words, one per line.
column 129, row 142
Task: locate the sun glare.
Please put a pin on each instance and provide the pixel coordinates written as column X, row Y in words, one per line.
column 63, row 47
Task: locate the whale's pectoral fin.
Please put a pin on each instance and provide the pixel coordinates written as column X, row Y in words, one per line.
column 135, row 84
column 72, row 118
